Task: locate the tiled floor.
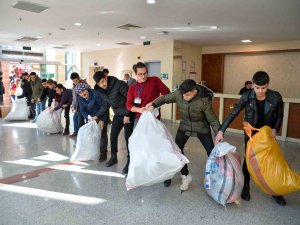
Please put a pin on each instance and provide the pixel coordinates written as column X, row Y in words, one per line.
column 47, row 191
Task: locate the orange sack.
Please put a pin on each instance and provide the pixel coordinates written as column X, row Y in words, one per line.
column 266, row 164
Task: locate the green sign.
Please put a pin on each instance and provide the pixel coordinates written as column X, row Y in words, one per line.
column 164, row 76
column 146, row 43
column 48, row 75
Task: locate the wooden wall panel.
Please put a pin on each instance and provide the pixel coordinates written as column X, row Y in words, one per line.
column 213, row 71
column 216, row 106
column 293, row 127
column 237, row 123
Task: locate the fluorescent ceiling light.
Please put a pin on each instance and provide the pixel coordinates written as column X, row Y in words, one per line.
column 143, row 37
column 151, row 1
column 39, row 37
column 213, row 27
column 246, row 41
column 106, row 12
column 77, row 24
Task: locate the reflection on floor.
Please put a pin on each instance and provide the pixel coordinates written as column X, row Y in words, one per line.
column 39, row 186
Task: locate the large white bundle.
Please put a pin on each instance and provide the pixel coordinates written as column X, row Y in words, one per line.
column 224, row 178
column 49, row 122
column 19, row 110
column 88, row 143
column 154, row 156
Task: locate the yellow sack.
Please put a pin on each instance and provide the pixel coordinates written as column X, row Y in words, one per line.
column 266, row 164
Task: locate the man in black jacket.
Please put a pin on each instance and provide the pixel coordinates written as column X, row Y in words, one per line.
column 262, row 107
column 114, row 92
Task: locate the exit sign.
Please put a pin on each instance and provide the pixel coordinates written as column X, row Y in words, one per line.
column 26, row 48
column 146, row 43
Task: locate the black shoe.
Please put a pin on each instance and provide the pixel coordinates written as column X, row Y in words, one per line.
column 279, row 200
column 167, row 183
column 113, row 160
column 103, row 156
column 66, row 132
column 125, row 169
column 246, row 192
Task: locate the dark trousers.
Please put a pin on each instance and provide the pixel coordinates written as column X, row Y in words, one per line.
column 245, row 169
column 205, row 139
column 116, row 127
column 67, row 117
column 104, row 138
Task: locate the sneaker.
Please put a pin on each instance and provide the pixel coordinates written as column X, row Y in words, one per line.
column 73, row 135
column 186, row 180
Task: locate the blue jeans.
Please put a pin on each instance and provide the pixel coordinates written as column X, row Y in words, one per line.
column 75, row 122
column 39, row 107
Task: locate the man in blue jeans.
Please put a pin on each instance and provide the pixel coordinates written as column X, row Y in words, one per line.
column 78, row 120
column 195, row 105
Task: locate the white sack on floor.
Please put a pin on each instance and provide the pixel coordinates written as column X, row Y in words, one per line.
column 154, row 156
column 224, row 178
column 49, row 122
column 88, row 143
column 19, row 110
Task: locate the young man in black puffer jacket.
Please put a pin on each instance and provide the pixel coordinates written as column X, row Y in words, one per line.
column 114, row 92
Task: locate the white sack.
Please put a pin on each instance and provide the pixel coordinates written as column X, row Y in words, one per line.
column 154, row 156
column 88, row 143
column 19, row 110
column 49, row 122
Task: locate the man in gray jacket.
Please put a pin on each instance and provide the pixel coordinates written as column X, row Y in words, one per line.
column 195, row 105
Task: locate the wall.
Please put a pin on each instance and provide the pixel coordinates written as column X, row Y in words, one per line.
column 283, row 68
column 188, row 53
column 120, row 59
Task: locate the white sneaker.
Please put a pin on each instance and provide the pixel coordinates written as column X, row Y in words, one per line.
column 186, row 180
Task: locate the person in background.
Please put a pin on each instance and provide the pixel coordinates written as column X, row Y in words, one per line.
column 129, row 80
column 262, row 106
column 144, row 91
column 27, row 92
column 197, row 116
column 37, row 89
column 64, row 103
column 114, row 92
column 13, row 89
column 2, row 90
column 90, row 103
column 247, row 87
column 105, row 71
column 78, row 119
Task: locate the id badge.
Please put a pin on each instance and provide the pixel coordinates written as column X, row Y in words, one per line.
column 137, row 100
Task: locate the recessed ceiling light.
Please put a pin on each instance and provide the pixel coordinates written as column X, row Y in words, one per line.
column 77, row 24
column 106, row 12
column 143, row 37
column 151, row 1
column 39, row 37
column 246, row 41
column 213, row 27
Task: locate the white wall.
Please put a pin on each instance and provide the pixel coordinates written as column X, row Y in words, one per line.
column 120, row 59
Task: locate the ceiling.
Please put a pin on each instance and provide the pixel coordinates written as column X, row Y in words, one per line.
column 186, row 20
